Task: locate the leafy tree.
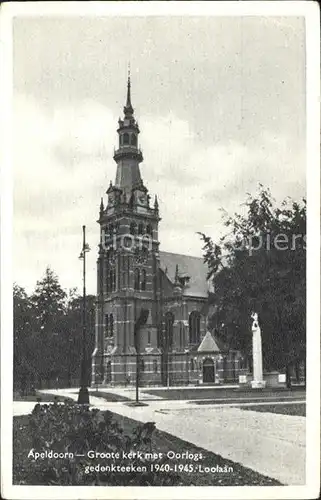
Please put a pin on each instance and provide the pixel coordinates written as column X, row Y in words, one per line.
column 48, row 339
column 74, row 320
column 259, row 265
column 23, row 351
column 49, row 300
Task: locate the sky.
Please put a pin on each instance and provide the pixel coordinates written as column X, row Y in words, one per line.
column 221, row 106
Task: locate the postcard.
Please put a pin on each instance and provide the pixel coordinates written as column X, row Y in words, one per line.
column 160, row 265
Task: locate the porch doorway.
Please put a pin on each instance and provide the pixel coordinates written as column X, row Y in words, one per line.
column 208, row 371
column 108, row 373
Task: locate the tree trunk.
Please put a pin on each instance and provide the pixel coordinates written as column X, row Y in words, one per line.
column 288, row 375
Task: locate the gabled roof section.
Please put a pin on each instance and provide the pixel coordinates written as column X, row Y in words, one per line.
column 188, row 266
column 208, row 344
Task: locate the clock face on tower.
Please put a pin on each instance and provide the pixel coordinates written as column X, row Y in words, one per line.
column 142, row 198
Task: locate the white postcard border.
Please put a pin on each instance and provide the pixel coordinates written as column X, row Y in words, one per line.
column 310, row 11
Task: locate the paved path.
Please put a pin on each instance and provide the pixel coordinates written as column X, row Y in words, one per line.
column 269, row 443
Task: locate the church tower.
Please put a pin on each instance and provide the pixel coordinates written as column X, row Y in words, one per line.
column 127, row 268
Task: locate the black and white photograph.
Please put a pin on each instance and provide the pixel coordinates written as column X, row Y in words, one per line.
column 160, row 263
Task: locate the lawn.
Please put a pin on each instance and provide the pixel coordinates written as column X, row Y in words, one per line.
column 43, row 396
column 254, row 399
column 212, row 394
column 109, row 396
column 162, row 442
column 296, row 409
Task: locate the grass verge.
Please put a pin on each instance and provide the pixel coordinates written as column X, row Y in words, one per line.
column 297, row 409
column 44, row 397
column 204, row 393
column 109, row 396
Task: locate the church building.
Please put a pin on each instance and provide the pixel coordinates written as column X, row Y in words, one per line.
column 133, row 274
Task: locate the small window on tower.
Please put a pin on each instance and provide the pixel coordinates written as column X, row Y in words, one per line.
column 143, row 282
column 106, row 324
column 155, row 365
column 111, row 325
column 149, row 229
column 114, row 280
column 133, row 140
column 137, row 277
column 141, row 228
column 126, row 138
column 133, row 228
column 181, row 335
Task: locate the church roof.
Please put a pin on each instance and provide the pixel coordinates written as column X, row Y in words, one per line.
column 208, row 344
column 193, row 267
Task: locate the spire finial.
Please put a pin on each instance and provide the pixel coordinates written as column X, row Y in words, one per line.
column 177, row 283
column 128, row 109
column 176, row 274
column 156, row 203
column 101, row 205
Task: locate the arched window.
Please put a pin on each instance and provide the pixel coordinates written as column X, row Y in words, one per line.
column 181, row 335
column 106, row 235
column 136, row 279
column 169, row 323
column 194, row 327
column 133, row 140
column 110, row 281
column 111, row 325
column 124, row 271
column 128, row 241
column 133, row 228
column 141, row 228
column 143, row 280
column 148, row 337
column 126, row 138
column 192, row 365
column 149, row 229
column 224, row 368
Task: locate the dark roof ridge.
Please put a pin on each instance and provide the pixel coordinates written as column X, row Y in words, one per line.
column 181, row 254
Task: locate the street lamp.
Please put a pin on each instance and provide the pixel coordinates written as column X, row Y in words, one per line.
column 138, row 324
column 83, row 395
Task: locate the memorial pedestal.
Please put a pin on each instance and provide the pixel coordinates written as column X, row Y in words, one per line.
column 258, row 384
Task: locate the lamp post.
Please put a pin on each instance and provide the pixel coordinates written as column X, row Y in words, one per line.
column 83, row 395
column 138, row 324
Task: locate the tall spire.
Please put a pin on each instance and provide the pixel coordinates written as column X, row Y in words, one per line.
column 128, row 155
column 128, row 109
